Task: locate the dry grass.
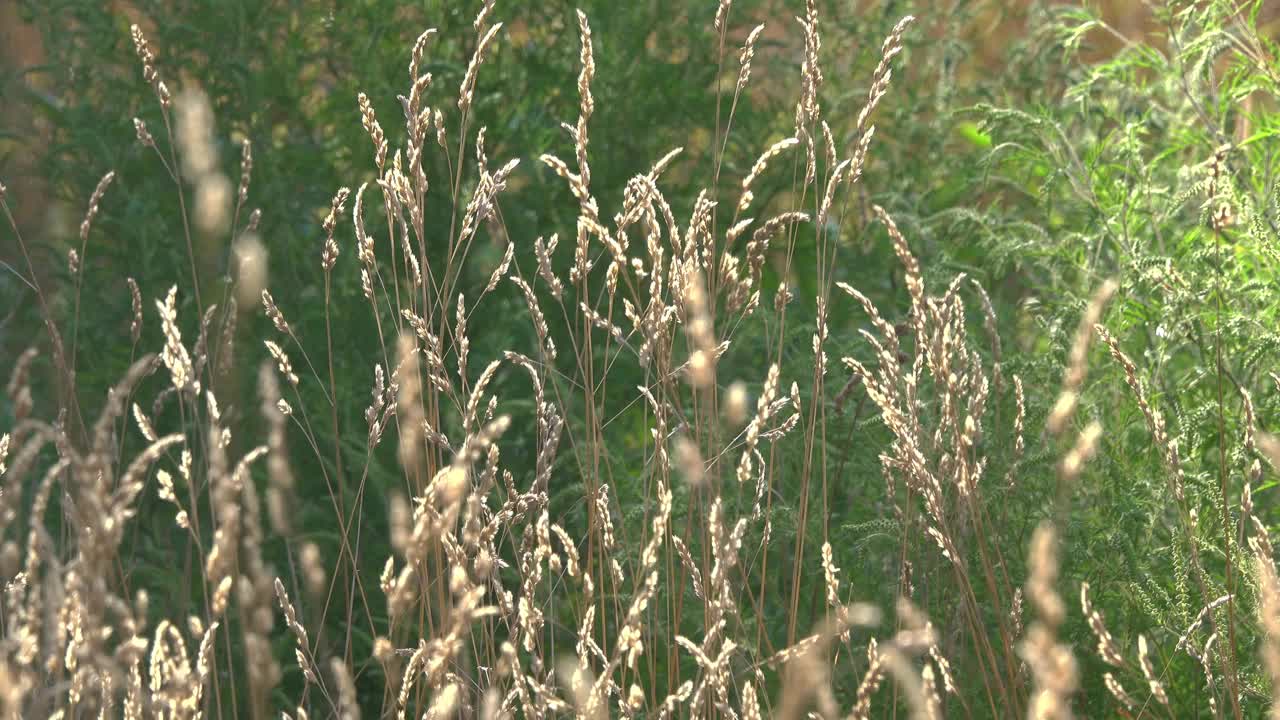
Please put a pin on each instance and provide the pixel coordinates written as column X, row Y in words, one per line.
column 467, row 608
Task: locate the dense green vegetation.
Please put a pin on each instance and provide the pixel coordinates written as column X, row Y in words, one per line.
column 835, row 388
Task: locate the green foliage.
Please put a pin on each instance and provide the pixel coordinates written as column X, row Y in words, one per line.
column 1155, row 166
column 1116, row 171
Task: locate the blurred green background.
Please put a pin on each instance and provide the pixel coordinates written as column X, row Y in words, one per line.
column 1019, row 143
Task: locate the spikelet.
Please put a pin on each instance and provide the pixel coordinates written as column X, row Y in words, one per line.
column 95, row 201
column 1149, row 671
column 1077, row 360
column 148, row 59
column 467, row 89
column 135, row 323
column 369, row 119
column 1107, row 649
column 273, row 312
column 761, row 164
column 329, row 255
column 1155, row 420
column 1053, row 668
column 747, row 55
column 246, row 171
column 175, row 356
column 409, row 404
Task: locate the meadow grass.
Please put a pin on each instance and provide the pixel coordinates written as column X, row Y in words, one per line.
column 542, row 561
